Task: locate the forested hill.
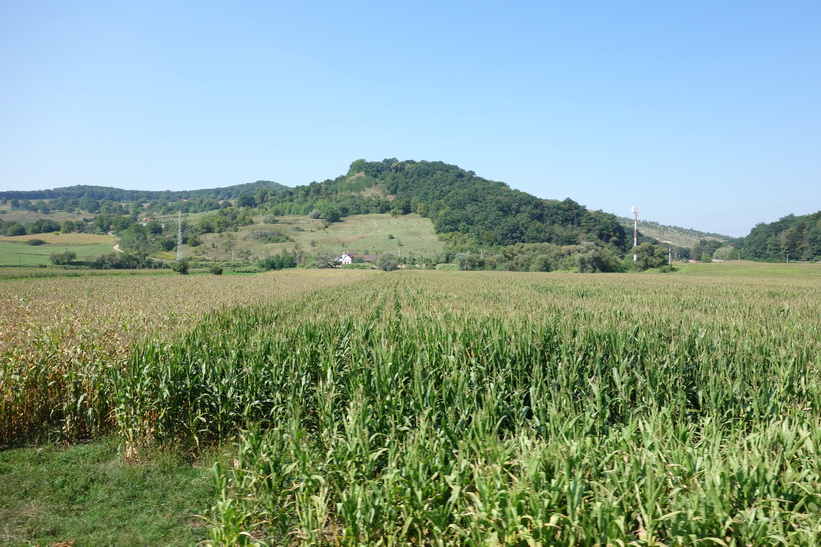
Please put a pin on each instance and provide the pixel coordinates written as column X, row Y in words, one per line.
column 462, row 205
column 98, row 193
column 796, row 236
column 467, row 210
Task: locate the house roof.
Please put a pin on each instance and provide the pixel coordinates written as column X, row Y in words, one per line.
column 364, row 258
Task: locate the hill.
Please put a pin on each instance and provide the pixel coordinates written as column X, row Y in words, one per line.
column 115, row 194
column 674, row 235
column 431, row 208
column 791, row 237
column 464, row 208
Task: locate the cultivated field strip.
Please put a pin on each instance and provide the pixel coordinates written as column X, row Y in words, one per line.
column 442, row 408
column 60, row 339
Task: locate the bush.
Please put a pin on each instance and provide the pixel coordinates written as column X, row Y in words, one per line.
column 167, row 244
column 180, row 266
column 36, row 242
column 216, row 269
column 386, row 262
column 63, row 259
column 122, row 261
column 270, row 236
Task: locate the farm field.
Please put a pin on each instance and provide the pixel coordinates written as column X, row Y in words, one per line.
column 14, row 250
column 420, row 407
column 8, row 214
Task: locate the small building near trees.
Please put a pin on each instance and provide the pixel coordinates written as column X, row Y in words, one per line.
column 350, row 258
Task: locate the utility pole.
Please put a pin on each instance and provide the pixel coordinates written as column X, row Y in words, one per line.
column 635, row 210
column 179, row 236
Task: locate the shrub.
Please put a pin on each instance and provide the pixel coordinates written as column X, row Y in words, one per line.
column 180, row 266
column 62, row 259
column 386, row 262
column 36, row 242
column 216, row 269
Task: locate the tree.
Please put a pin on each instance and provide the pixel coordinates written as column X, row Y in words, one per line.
column 650, row 256
column 246, row 200
column 63, row 259
column 386, row 262
column 591, row 258
column 180, row 266
column 725, row 253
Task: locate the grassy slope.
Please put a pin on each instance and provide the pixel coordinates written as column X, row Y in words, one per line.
column 14, row 251
column 681, row 237
column 412, row 234
column 8, row 214
column 50, row 494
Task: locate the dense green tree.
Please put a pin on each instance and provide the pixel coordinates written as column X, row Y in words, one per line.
column 246, row 200
column 42, row 226
column 62, row 259
column 180, row 266
column 798, row 236
column 386, row 262
column 726, row 252
column 13, row 228
column 591, row 258
column 649, row 255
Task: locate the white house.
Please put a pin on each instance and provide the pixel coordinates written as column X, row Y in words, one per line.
column 348, row 258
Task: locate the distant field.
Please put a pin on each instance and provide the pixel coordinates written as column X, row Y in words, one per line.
column 358, row 234
column 15, row 251
column 8, row 214
column 749, row 268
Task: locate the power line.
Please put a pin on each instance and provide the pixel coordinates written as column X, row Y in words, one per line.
column 747, row 189
column 742, row 211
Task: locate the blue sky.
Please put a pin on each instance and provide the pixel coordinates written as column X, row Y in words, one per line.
column 705, row 114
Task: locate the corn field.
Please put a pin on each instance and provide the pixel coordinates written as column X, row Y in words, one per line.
column 61, row 339
column 484, row 408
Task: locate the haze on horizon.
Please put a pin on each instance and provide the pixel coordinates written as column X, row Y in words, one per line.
column 705, row 115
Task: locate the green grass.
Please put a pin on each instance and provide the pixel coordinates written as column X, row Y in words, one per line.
column 412, row 235
column 746, row 268
column 18, row 215
column 86, row 493
column 9, row 273
column 22, row 254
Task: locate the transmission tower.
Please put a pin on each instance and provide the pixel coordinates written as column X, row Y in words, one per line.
column 635, row 210
column 179, row 237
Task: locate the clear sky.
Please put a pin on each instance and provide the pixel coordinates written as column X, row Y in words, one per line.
column 705, row 114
